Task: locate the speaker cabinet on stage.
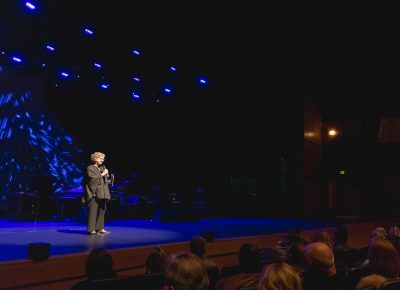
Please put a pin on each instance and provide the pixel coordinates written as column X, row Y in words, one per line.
column 38, row 251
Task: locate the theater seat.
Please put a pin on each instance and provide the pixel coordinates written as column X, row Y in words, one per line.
column 121, row 283
column 229, row 270
column 391, row 285
column 213, row 276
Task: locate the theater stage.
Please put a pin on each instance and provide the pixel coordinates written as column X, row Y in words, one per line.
column 70, row 237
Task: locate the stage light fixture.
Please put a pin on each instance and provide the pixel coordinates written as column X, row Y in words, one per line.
column 96, row 64
column 64, row 74
column 88, row 31
column 202, row 81
column 50, row 48
column 135, row 95
column 173, row 68
column 168, row 90
column 30, row 5
column 105, row 86
column 136, row 52
column 16, row 59
column 136, row 79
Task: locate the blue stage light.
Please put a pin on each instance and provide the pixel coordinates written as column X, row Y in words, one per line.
column 202, row 81
column 168, row 90
column 88, row 31
column 136, row 79
column 173, row 68
column 50, row 48
column 30, row 5
column 136, row 52
column 16, row 59
column 64, row 74
column 135, row 95
column 105, row 86
column 96, row 64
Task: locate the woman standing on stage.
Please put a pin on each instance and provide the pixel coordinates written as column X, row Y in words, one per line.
column 97, row 193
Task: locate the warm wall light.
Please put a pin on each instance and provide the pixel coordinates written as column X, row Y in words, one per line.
column 309, row 134
column 332, row 132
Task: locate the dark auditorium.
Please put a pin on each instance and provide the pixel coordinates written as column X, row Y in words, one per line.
column 207, row 145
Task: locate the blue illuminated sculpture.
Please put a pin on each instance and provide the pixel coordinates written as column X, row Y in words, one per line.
column 32, row 145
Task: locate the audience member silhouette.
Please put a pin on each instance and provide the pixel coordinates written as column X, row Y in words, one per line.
column 249, row 266
column 292, row 236
column 279, row 276
column 156, row 261
column 320, row 271
column 384, row 262
column 340, row 237
column 185, row 272
column 98, row 266
column 377, row 233
column 341, row 248
column 394, row 236
column 296, row 259
column 279, row 251
column 198, row 247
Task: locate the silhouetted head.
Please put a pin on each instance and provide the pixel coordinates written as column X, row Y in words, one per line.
column 249, row 258
column 320, row 259
column 99, row 264
column 341, row 235
column 198, row 246
column 384, row 258
column 186, row 272
column 295, row 254
column 279, row 276
column 156, row 261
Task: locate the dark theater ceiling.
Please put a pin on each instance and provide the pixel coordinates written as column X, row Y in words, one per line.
column 345, row 58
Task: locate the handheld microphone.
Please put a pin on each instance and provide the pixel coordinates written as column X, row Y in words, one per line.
column 104, row 168
column 109, row 176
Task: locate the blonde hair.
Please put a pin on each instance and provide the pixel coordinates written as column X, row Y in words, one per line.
column 384, row 258
column 279, row 276
column 96, row 155
column 186, row 272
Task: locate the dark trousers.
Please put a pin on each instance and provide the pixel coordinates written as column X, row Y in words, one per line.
column 97, row 210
